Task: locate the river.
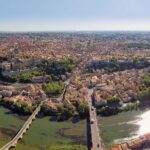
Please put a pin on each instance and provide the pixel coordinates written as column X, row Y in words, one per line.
column 42, row 133
column 10, row 123
column 124, row 126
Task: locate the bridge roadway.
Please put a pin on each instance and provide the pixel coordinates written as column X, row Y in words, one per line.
column 24, row 128
column 96, row 143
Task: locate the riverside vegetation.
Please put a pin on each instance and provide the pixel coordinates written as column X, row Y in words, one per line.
column 114, row 107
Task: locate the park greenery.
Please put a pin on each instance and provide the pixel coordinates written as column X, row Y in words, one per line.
column 138, row 46
column 68, row 147
column 113, row 101
column 25, row 78
column 56, row 68
column 145, row 89
column 114, row 65
column 135, row 62
column 53, row 88
column 52, row 69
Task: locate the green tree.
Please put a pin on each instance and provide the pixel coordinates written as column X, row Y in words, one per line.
column 25, row 78
column 53, row 88
column 113, row 101
column 82, row 109
column 145, row 94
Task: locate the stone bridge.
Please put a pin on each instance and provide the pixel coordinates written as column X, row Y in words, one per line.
column 95, row 140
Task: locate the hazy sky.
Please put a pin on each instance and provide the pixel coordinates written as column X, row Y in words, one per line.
column 47, row 15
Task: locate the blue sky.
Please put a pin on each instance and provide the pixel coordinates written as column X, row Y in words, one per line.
column 47, row 15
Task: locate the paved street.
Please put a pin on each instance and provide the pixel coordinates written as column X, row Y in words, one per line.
column 95, row 136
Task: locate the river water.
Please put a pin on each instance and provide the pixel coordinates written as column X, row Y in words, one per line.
column 124, row 126
column 10, row 123
column 44, row 133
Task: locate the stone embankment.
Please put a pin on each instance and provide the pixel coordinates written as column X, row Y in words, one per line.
column 136, row 144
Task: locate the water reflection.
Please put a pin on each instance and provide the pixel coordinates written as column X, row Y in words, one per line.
column 124, row 126
column 144, row 123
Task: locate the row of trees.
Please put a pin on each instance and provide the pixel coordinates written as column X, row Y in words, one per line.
column 139, row 46
column 114, row 107
column 23, row 78
column 66, row 111
column 53, row 88
column 108, row 110
column 18, row 107
column 114, row 65
column 145, row 89
column 55, row 68
column 62, row 112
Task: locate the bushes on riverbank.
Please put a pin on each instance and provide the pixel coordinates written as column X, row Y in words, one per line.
column 113, row 101
column 62, row 112
column 20, row 108
column 66, row 111
column 130, row 106
column 108, row 110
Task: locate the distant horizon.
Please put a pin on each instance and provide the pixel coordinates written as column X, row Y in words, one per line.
column 75, row 26
column 78, row 15
column 75, row 31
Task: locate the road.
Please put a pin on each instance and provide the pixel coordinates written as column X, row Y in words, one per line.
column 95, row 136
